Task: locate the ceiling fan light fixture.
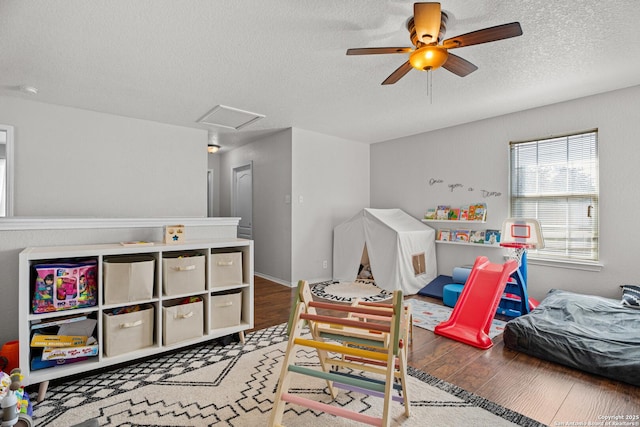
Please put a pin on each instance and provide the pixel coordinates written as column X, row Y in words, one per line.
column 428, row 58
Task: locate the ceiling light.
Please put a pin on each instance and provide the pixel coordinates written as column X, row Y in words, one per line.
column 428, row 58
column 213, row 148
column 29, row 90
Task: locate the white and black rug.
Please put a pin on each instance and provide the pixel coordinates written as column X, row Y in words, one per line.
column 360, row 289
column 234, row 385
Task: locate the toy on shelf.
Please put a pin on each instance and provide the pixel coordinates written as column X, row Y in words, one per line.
column 518, row 236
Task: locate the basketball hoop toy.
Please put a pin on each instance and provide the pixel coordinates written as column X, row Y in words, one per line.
column 518, row 236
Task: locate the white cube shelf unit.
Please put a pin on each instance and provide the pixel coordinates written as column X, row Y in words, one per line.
column 208, row 292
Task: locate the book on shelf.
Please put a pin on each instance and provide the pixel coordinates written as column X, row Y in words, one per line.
column 460, row 236
column 430, row 213
column 492, row 237
column 444, row 235
column 477, row 236
column 442, row 212
column 464, row 213
column 480, row 212
column 454, row 214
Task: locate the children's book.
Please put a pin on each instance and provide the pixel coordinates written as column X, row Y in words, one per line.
column 430, row 214
column 454, row 214
column 472, row 213
column 480, row 212
column 460, row 236
column 477, row 236
column 444, row 235
column 442, row 212
column 464, row 213
column 492, row 237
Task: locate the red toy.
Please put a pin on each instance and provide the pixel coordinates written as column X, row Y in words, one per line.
column 472, row 315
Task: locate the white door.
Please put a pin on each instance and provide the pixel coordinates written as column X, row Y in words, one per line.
column 242, row 199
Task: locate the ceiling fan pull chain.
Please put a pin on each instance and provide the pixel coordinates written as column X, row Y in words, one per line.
column 430, row 86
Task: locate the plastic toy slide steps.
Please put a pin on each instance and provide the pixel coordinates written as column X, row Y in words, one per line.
column 471, row 318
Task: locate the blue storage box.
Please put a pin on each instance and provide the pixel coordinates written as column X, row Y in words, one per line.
column 451, row 293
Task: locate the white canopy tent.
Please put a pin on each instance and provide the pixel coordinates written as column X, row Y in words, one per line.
column 400, row 249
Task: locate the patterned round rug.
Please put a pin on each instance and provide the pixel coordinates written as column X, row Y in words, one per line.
column 363, row 290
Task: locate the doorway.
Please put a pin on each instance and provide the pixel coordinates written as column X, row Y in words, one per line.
column 242, row 199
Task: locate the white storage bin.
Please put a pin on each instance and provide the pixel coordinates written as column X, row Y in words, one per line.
column 226, row 309
column 181, row 322
column 127, row 332
column 226, row 269
column 128, row 279
column 183, row 274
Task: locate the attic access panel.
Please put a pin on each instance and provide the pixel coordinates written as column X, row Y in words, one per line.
column 230, row 118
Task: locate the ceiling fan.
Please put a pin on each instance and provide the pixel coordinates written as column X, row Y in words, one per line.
column 427, row 28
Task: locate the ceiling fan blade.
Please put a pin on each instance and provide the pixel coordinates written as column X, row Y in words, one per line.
column 426, row 20
column 459, row 66
column 398, row 73
column 486, row 35
column 378, row 50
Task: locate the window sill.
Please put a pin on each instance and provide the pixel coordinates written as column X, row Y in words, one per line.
column 570, row 264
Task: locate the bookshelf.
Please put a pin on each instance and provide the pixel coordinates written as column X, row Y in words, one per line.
column 161, row 300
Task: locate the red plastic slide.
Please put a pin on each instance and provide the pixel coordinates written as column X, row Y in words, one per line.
column 471, row 318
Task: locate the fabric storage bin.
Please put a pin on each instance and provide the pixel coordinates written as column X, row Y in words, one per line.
column 183, row 274
column 181, row 322
column 127, row 332
column 226, row 269
column 226, row 309
column 128, row 279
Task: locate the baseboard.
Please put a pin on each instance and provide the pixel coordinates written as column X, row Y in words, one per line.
column 285, row 283
column 275, row 279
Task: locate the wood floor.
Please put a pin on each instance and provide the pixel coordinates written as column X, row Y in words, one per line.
column 547, row 392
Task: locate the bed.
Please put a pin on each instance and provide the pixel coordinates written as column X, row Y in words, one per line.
column 594, row 334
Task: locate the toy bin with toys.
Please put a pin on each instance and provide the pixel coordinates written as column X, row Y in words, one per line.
column 65, row 286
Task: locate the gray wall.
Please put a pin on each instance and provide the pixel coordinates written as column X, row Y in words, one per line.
column 332, row 177
column 271, row 158
column 293, row 238
column 72, row 162
column 475, row 155
column 78, row 163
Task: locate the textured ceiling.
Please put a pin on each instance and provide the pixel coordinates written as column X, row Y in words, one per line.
column 172, row 61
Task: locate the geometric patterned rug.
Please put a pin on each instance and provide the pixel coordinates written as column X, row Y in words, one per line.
column 234, row 385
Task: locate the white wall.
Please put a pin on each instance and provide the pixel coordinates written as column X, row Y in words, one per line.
column 79, row 163
column 475, row 155
column 331, row 175
column 213, row 163
column 271, row 159
column 72, row 162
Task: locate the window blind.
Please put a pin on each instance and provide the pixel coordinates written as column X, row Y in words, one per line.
column 555, row 181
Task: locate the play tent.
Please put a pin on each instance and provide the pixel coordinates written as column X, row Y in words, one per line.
column 399, row 248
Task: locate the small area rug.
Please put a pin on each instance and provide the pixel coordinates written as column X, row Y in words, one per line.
column 361, row 289
column 428, row 315
column 234, row 385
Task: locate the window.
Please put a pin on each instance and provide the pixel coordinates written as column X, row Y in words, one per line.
column 555, row 181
